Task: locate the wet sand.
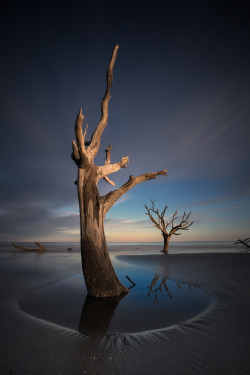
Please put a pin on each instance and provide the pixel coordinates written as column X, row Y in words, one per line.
column 214, row 342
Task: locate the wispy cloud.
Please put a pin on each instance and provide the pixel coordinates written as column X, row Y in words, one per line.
column 123, row 199
column 66, row 231
column 119, row 223
column 65, row 211
column 222, row 198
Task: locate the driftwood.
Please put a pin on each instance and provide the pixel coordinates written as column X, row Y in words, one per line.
column 40, row 247
column 168, row 228
column 245, row 242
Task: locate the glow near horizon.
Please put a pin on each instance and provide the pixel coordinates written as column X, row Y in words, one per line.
column 210, row 225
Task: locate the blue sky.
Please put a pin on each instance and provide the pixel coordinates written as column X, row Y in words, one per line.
column 180, row 101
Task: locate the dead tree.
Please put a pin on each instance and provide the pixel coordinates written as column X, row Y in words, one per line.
column 245, row 242
column 167, row 228
column 100, row 277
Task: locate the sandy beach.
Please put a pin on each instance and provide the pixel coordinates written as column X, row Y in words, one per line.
column 216, row 341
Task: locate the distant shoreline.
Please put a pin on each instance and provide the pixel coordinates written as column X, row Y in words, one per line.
column 151, row 247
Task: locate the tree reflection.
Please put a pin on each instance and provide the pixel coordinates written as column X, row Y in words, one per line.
column 156, row 287
column 97, row 314
column 159, row 284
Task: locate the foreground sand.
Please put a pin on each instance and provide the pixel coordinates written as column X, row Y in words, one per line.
column 216, row 342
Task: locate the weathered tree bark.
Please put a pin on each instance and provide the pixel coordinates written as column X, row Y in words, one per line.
column 166, row 243
column 100, row 277
column 161, row 224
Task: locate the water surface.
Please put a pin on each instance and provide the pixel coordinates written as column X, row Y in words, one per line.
column 154, row 303
column 142, row 247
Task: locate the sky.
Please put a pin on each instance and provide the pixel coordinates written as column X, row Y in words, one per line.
column 180, row 101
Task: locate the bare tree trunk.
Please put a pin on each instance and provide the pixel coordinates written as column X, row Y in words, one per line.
column 99, row 274
column 100, row 277
column 166, row 243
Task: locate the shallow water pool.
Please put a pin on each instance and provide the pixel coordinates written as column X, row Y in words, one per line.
column 153, row 303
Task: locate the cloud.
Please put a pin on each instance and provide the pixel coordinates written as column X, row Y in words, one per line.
column 123, row 199
column 126, row 223
column 242, row 193
column 36, row 222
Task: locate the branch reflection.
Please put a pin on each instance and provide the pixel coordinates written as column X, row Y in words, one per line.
column 159, row 284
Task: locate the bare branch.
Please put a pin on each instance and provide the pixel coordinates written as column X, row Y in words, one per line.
column 75, row 153
column 78, row 131
column 108, row 180
column 173, row 219
column 104, row 170
column 244, row 242
column 84, row 135
column 96, row 136
column 163, row 212
column 160, row 224
column 184, row 224
column 110, row 199
column 108, row 161
column 78, row 150
column 107, row 169
column 162, row 219
column 108, row 155
column 156, row 224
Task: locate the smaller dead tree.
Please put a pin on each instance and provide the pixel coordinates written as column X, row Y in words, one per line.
column 167, row 228
column 245, row 242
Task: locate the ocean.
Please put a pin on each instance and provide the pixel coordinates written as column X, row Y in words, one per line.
column 140, row 247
